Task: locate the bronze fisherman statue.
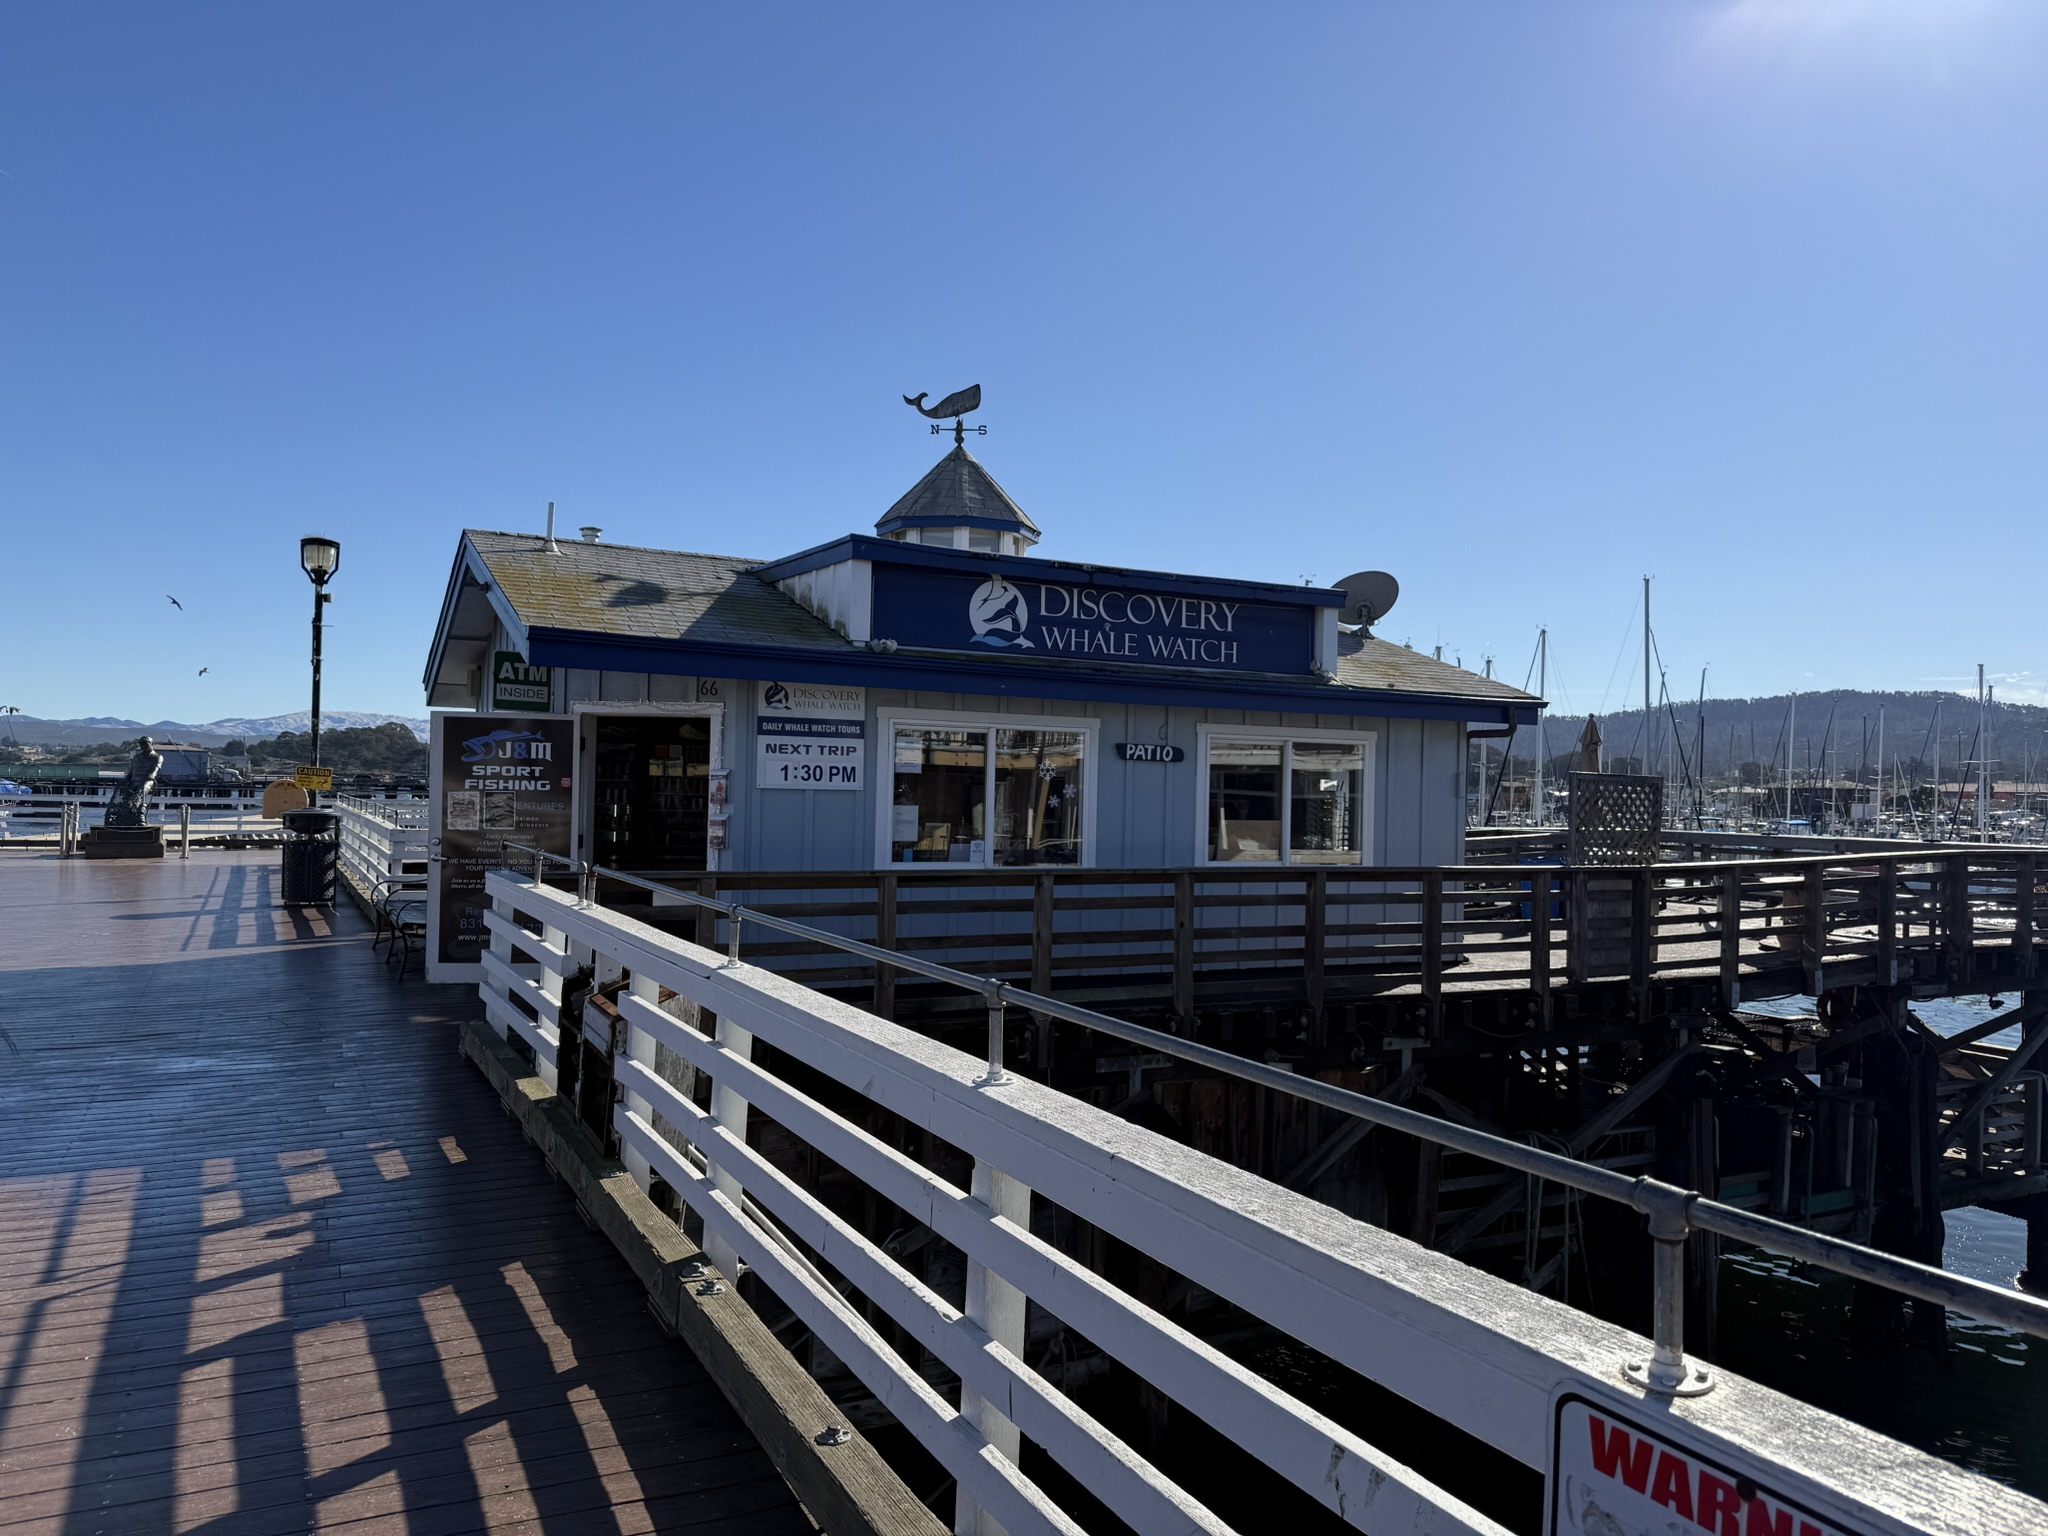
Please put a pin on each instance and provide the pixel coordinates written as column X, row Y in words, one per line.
column 131, row 795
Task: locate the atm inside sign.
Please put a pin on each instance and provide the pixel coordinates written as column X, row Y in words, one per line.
column 518, row 687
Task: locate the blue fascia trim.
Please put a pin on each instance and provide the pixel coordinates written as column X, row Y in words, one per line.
column 935, row 674
column 939, row 520
column 859, row 546
column 816, row 558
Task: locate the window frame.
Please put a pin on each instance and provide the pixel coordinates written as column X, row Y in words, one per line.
column 1287, row 736
column 888, row 720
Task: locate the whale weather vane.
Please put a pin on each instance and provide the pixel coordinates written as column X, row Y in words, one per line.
column 955, row 405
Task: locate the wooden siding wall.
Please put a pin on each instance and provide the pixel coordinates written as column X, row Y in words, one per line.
column 1145, row 813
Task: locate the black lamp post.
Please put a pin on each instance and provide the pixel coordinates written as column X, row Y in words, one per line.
column 319, row 558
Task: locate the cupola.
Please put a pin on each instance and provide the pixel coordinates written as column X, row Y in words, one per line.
column 958, row 505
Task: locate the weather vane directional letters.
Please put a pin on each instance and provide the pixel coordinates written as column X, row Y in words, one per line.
column 955, row 405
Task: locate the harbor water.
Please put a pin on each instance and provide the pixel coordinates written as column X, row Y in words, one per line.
column 1984, row 1403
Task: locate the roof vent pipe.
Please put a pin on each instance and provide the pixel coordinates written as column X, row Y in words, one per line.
column 553, row 547
column 590, row 533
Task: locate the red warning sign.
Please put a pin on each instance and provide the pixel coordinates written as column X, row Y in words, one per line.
column 1611, row 1475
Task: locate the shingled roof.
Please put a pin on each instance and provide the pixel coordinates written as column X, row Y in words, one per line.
column 1364, row 662
column 634, row 594
column 957, row 492
column 666, row 594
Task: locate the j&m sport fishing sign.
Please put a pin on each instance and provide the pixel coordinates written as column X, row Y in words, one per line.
column 1060, row 621
column 497, row 780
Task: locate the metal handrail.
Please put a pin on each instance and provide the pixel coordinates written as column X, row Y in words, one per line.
column 1672, row 1212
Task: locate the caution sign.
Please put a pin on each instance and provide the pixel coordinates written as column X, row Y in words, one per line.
column 1611, row 1474
column 314, row 778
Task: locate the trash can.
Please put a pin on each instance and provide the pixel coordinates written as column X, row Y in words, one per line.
column 312, row 857
column 1526, row 908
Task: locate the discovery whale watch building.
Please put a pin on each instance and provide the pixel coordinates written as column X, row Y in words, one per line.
column 938, row 694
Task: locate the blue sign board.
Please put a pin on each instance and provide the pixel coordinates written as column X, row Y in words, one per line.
column 1061, row 621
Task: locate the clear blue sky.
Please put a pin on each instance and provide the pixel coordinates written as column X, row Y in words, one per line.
column 1517, row 301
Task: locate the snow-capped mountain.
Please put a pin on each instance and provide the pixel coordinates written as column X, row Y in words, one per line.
column 214, row 733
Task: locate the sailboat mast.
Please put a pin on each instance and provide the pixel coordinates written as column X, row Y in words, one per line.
column 1542, row 691
column 1699, row 753
column 1983, row 756
column 1880, row 768
column 1649, row 740
column 1936, row 769
column 1791, row 731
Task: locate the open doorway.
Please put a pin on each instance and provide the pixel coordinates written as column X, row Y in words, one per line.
column 650, row 779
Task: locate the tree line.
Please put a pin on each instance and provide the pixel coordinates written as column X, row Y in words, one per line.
column 386, row 748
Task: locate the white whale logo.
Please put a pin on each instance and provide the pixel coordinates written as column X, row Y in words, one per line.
column 999, row 615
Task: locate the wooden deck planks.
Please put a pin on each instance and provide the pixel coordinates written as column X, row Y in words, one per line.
column 273, row 1259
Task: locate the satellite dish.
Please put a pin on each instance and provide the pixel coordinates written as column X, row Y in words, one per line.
column 1369, row 597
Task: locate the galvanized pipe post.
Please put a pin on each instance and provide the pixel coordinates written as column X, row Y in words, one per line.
column 992, row 990
column 735, row 915
column 1665, row 1208
column 185, row 831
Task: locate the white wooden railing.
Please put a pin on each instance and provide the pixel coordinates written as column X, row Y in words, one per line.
column 1495, row 1360
column 383, row 842
column 39, row 817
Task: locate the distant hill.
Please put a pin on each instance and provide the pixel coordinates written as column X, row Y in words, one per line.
column 388, row 748
column 1842, row 721
column 95, row 729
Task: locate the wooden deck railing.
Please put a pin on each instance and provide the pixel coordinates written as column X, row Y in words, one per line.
column 1311, row 938
column 676, row 1030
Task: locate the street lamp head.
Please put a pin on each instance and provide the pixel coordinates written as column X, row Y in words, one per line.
column 319, row 558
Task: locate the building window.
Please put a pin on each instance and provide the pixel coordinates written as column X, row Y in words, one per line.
column 939, row 813
column 987, row 796
column 1244, row 801
column 1325, row 802
column 1281, row 800
column 1038, row 796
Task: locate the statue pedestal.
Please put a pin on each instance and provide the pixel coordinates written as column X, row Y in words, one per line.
column 123, row 843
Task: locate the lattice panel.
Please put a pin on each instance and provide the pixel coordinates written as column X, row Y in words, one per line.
column 1616, row 818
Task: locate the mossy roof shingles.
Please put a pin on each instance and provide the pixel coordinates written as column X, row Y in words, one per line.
column 1382, row 666
column 667, row 594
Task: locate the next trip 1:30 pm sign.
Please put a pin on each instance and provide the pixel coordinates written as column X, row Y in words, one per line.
column 810, row 736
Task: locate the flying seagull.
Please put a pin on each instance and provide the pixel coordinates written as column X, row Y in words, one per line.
column 175, row 603
column 204, row 670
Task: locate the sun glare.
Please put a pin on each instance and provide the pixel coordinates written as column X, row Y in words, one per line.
column 1929, row 32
